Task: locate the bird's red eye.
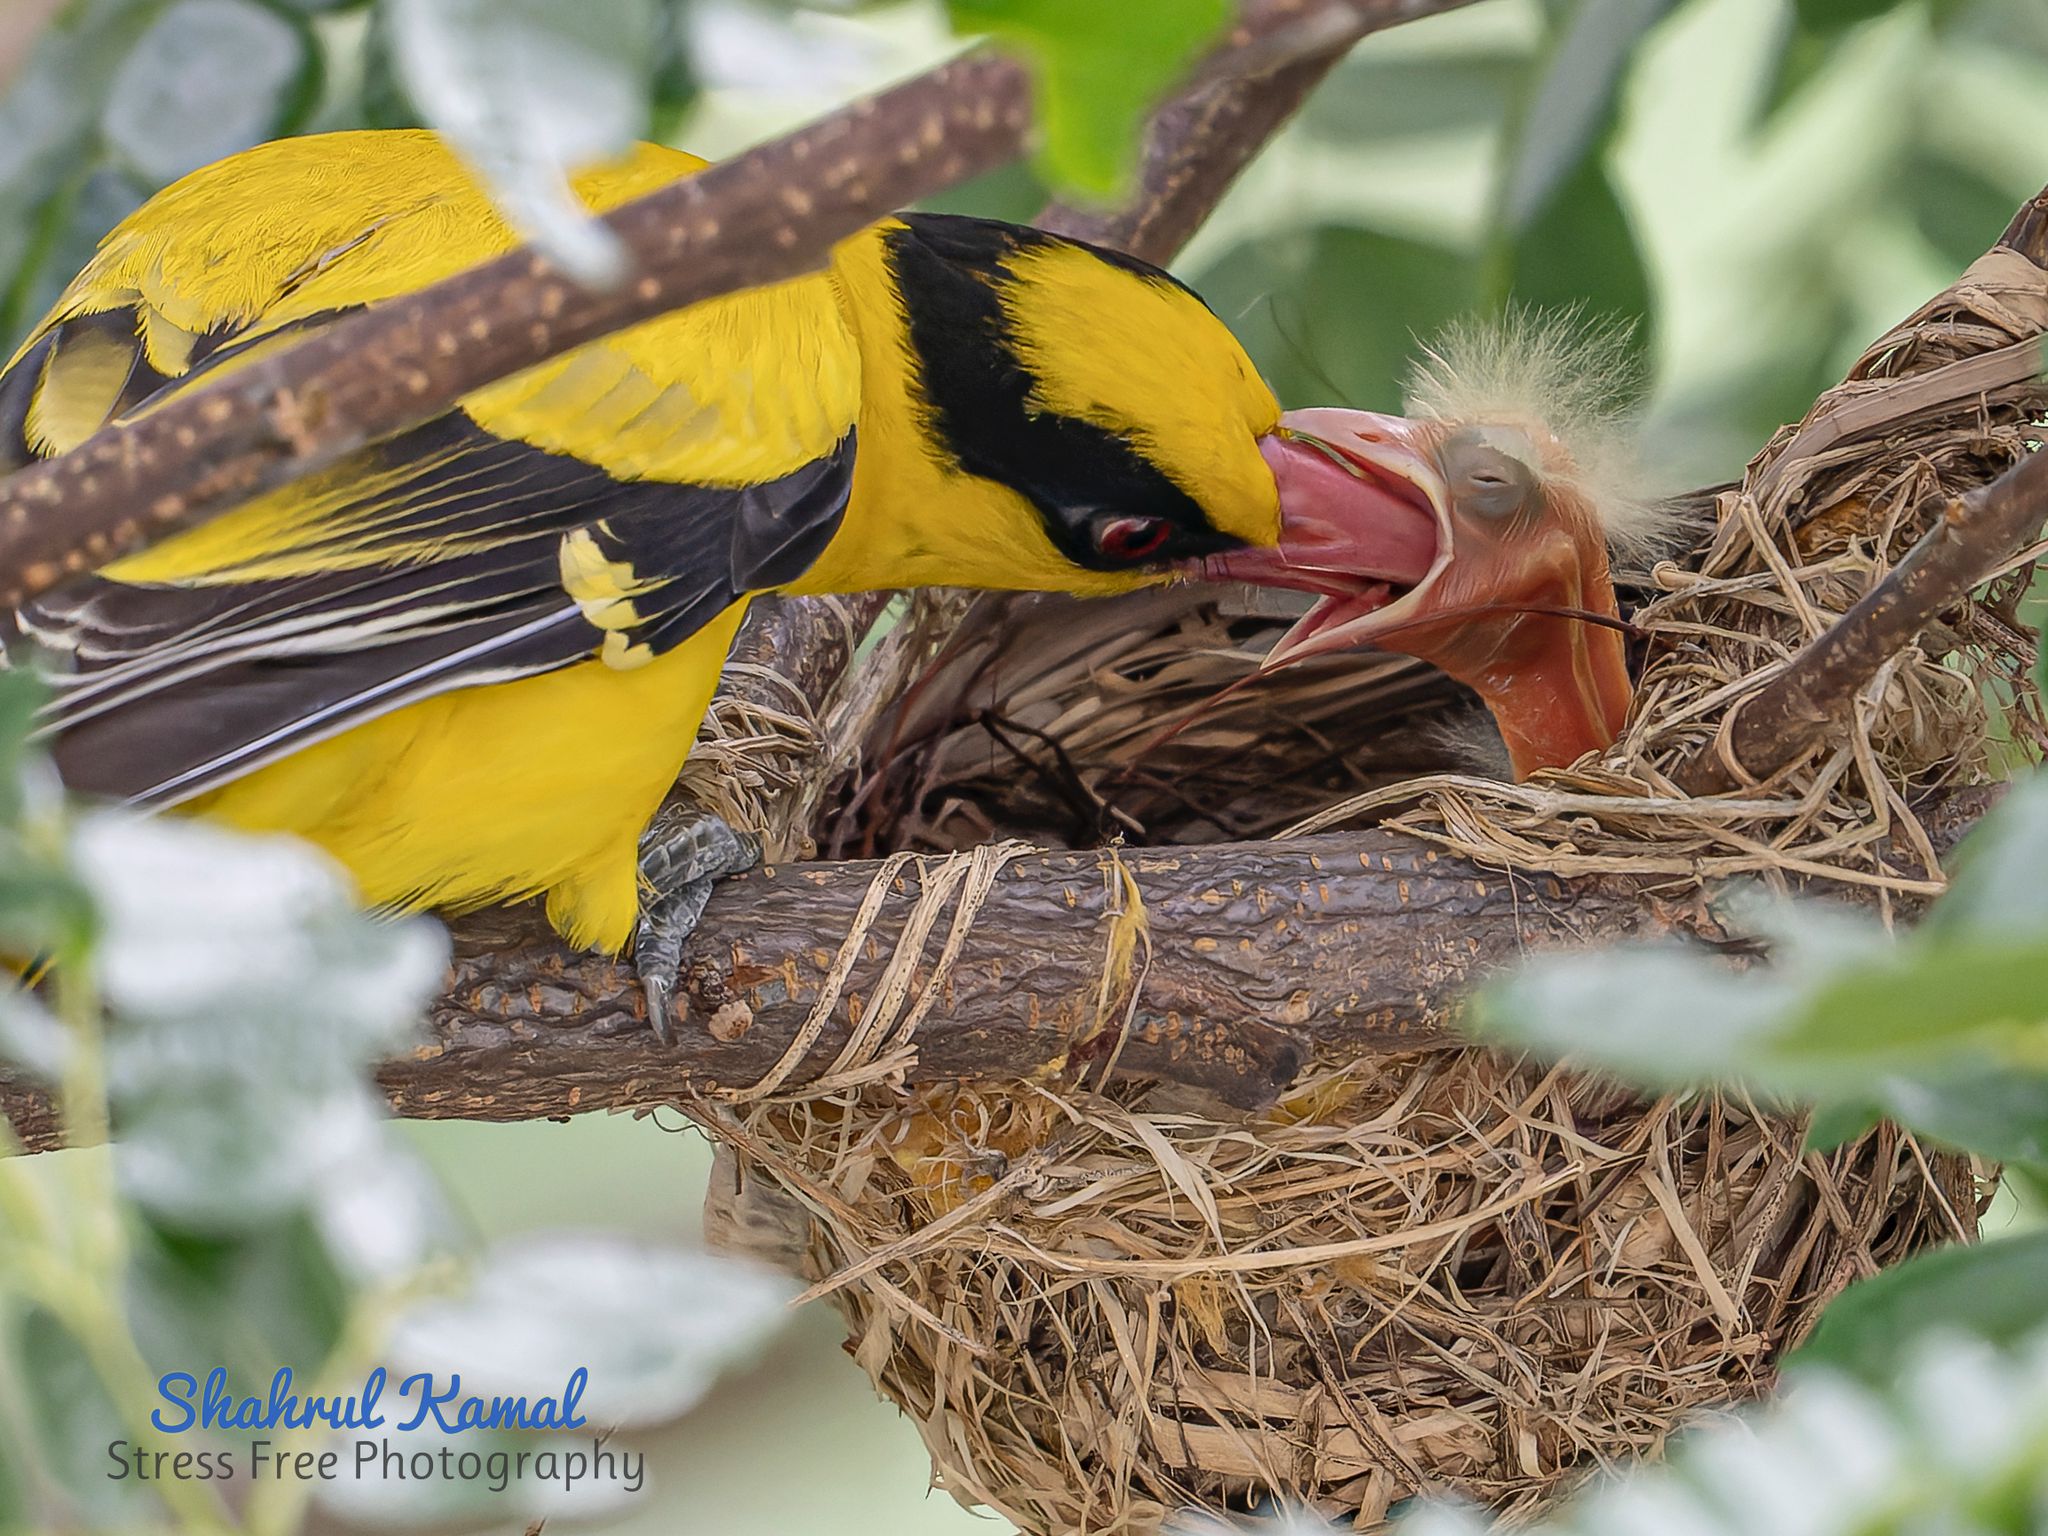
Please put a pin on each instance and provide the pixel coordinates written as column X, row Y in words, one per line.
column 1131, row 538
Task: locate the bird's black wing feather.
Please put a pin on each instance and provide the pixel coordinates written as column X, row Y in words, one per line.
column 438, row 565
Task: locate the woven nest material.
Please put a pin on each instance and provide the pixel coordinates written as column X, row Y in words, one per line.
column 1430, row 1269
column 1425, row 1270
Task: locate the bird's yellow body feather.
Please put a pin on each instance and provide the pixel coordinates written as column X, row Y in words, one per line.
column 407, row 802
column 541, row 784
column 423, row 819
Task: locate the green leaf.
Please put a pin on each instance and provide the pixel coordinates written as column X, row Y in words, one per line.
column 1313, row 309
column 1837, row 1124
column 235, row 958
column 1800, row 54
column 1100, row 68
column 1996, row 1291
column 1826, row 16
column 251, row 1302
column 208, row 78
column 1572, row 104
column 248, row 996
column 1946, row 1031
column 74, row 1422
column 1958, row 1445
column 241, row 1157
column 381, row 1216
column 75, row 222
column 530, row 90
column 43, row 910
column 385, row 1498
column 382, row 101
column 49, row 120
column 1957, row 209
column 1580, row 254
column 654, row 1326
column 1999, row 1112
column 30, row 1035
column 17, row 1511
column 1011, row 192
column 1924, row 1002
column 21, row 695
column 1997, row 891
column 2020, row 26
column 1383, row 101
column 1711, row 1023
column 672, row 88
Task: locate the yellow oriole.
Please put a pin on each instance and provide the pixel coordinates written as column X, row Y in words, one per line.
column 469, row 660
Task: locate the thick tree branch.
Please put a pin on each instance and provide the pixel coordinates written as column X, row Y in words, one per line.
column 1257, row 952
column 1260, row 956
column 1795, row 711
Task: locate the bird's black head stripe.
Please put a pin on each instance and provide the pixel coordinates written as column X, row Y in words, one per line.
column 949, row 270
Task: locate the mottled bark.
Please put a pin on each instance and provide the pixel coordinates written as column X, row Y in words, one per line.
column 1261, row 956
column 765, row 215
column 1261, row 953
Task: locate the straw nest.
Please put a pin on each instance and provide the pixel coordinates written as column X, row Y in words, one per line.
column 1430, row 1269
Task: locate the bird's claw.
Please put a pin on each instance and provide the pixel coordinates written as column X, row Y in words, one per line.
column 683, row 854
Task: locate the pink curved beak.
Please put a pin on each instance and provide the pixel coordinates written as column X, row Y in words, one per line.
column 1368, row 523
column 1359, row 509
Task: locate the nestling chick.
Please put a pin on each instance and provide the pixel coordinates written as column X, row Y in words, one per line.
column 1492, row 508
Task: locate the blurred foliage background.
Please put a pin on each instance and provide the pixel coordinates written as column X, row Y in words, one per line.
column 1756, row 186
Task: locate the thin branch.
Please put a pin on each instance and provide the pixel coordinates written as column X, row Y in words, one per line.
column 1796, row 710
column 762, row 216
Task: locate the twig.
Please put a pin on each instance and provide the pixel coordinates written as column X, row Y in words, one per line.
column 762, row 216
column 768, row 214
column 1792, row 713
column 1092, row 813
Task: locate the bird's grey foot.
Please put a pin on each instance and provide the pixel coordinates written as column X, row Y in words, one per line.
column 683, row 853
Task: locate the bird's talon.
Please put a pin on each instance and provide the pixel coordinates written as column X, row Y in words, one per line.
column 658, row 990
column 682, row 857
